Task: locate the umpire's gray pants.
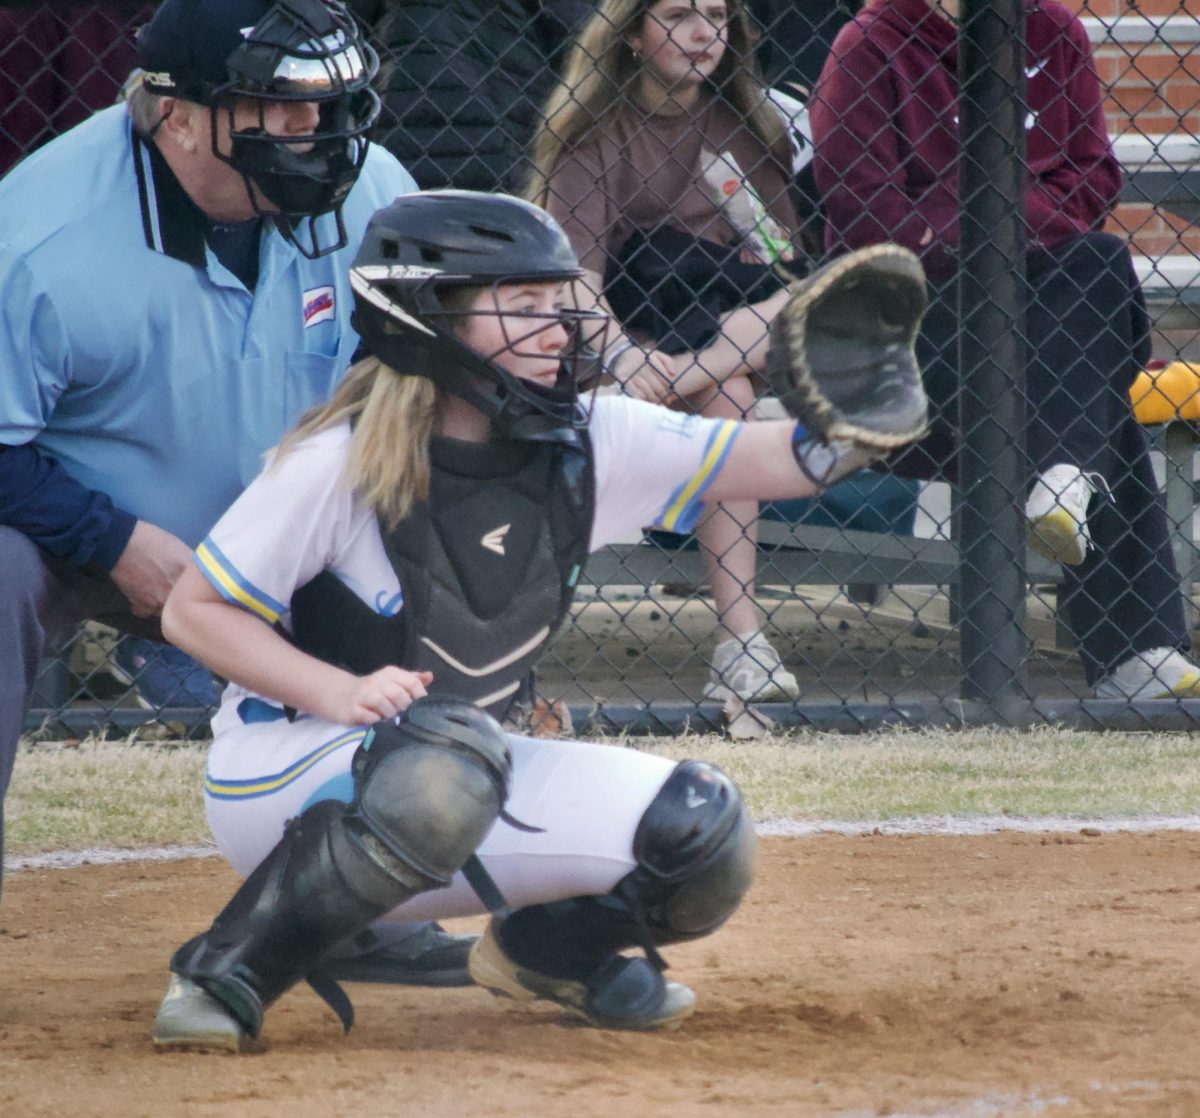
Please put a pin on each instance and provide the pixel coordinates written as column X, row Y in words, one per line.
column 39, row 597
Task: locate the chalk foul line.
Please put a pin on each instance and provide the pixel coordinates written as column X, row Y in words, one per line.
column 773, row 828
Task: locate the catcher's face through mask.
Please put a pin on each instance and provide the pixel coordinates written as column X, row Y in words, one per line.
column 521, row 328
column 525, row 330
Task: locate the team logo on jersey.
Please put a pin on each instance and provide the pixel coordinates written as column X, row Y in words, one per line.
column 318, row 306
column 389, row 606
column 677, row 424
column 494, row 540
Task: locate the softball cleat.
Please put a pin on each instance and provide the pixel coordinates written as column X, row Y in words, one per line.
column 624, row 993
column 191, row 1019
column 427, row 956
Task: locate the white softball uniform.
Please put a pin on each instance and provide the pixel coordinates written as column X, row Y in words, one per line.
column 299, row 518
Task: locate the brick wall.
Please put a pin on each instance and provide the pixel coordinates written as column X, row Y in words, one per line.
column 1154, row 85
column 1153, row 89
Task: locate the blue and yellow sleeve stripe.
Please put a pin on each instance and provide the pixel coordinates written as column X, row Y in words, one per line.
column 232, row 587
column 265, row 785
column 684, row 506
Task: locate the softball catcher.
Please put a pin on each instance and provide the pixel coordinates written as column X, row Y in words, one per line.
column 378, row 593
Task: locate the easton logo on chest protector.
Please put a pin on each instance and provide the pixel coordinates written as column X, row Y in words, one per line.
column 494, row 540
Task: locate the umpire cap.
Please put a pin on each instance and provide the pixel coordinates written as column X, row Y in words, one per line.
column 184, row 50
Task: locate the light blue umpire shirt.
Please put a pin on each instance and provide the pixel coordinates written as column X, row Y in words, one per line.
column 132, row 355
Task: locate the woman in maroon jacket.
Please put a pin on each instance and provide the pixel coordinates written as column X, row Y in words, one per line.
column 886, row 149
column 886, row 116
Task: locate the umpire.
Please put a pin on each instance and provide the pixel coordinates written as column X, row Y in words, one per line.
column 174, row 294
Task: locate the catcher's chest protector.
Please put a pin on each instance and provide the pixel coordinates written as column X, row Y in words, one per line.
column 487, row 570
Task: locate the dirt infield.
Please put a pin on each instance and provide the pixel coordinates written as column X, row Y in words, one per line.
column 1007, row 975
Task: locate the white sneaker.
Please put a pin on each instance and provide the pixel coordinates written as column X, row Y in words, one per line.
column 1056, row 513
column 748, row 668
column 1157, row 673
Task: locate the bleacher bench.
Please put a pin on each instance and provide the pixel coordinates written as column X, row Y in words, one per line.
column 1160, row 170
column 1134, row 28
column 808, row 554
column 1164, row 171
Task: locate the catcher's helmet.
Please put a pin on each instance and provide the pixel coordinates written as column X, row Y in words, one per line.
column 423, row 244
column 218, row 52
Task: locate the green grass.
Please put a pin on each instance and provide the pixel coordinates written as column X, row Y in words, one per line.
column 975, row 772
column 129, row 794
column 105, row 794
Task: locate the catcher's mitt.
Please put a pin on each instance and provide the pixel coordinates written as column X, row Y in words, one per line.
column 841, row 358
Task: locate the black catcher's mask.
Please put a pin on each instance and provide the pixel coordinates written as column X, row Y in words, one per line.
column 423, row 245
column 296, row 51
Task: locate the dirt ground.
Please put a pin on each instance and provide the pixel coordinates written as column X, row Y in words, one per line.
column 1007, row 975
column 632, row 649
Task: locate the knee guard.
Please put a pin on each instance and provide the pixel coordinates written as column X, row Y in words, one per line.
column 428, row 791
column 694, row 848
column 426, row 794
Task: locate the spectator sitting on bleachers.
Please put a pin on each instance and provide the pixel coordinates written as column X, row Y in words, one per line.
column 885, row 130
column 668, row 168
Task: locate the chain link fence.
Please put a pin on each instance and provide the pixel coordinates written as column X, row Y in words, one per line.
column 904, row 595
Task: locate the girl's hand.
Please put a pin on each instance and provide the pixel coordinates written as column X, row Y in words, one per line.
column 361, row 700
column 645, row 374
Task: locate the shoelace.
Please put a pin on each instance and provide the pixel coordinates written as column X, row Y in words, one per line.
column 1099, row 484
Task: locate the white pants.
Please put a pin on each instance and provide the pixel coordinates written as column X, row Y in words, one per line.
column 586, row 801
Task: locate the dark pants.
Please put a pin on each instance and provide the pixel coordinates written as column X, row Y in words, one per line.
column 1087, row 336
column 675, row 288
column 38, row 598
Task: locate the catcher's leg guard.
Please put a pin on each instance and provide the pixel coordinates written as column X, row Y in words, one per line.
column 695, row 850
column 426, row 794
column 695, row 857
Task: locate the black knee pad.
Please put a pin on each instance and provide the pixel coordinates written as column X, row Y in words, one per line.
column 428, row 790
column 695, row 849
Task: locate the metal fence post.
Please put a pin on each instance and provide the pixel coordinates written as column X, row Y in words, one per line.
column 991, row 353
